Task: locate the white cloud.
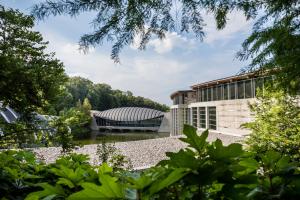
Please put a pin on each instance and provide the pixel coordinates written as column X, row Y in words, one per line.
column 236, row 24
column 154, row 77
column 171, row 41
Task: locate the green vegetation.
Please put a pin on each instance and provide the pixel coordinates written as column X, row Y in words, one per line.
column 277, row 123
column 108, row 153
column 273, row 44
column 30, row 78
column 102, row 96
column 33, row 81
column 201, row 171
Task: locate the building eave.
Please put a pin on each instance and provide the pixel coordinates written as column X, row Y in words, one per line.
column 180, row 92
column 224, row 80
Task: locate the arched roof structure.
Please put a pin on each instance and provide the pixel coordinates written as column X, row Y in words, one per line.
column 129, row 114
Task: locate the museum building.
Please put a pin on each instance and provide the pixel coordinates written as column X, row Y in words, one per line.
column 219, row 105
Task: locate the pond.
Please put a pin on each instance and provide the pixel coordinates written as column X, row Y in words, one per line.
column 111, row 137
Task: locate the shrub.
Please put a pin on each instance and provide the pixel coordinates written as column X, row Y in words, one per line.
column 201, row 171
column 277, row 123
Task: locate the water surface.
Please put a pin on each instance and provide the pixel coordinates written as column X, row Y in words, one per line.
column 98, row 137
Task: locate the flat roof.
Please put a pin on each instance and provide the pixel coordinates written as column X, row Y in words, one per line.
column 224, row 80
column 180, row 92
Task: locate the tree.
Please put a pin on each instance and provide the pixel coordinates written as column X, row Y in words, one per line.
column 86, row 106
column 30, row 78
column 276, row 125
column 273, row 44
column 102, row 97
column 78, row 87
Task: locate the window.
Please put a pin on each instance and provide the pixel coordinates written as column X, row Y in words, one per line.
column 202, row 117
column 204, row 94
column 219, row 92
column 248, row 89
column 208, row 94
column 199, row 95
column 225, row 91
column 212, row 118
column 194, row 112
column 259, row 83
column 182, row 99
column 240, row 90
column 187, row 116
column 215, row 95
column 232, row 90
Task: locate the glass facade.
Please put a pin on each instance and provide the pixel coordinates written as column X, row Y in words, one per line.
column 212, row 118
column 232, row 90
column 235, row 90
column 202, row 117
column 240, row 90
column 194, row 113
column 129, row 117
column 225, row 91
column 187, row 116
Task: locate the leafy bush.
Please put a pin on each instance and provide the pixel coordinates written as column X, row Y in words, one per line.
column 201, row 171
column 277, row 123
column 108, row 153
column 78, row 119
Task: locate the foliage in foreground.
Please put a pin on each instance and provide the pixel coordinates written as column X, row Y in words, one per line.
column 277, row 123
column 201, row 171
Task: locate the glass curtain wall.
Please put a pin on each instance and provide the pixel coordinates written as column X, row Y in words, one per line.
column 202, row 117
column 194, row 113
column 234, row 90
column 212, row 118
column 187, row 116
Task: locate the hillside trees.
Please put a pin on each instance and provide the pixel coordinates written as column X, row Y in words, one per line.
column 103, row 97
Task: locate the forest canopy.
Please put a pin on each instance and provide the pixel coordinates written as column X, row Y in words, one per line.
column 102, row 96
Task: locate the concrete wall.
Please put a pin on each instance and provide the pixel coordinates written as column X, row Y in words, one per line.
column 231, row 114
column 93, row 124
column 177, row 119
column 165, row 124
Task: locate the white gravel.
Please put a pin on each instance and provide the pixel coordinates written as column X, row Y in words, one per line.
column 142, row 153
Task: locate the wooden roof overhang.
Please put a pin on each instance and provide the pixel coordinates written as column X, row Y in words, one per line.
column 223, row 80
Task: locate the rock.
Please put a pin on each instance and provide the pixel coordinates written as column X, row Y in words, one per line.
column 142, row 153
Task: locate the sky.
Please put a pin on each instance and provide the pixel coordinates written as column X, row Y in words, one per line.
column 175, row 63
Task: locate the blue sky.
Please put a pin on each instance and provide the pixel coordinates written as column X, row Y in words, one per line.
column 164, row 67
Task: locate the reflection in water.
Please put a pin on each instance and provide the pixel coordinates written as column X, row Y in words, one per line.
column 111, row 137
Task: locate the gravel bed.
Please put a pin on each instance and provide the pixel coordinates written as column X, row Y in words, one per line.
column 142, row 153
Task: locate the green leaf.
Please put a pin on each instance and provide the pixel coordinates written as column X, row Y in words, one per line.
column 67, row 182
column 110, row 188
column 182, row 159
column 220, row 152
column 48, row 191
column 93, row 191
column 142, row 182
column 195, row 141
column 271, row 158
column 250, row 164
column 173, row 177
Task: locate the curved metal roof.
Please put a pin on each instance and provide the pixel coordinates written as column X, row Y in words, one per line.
column 129, row 114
